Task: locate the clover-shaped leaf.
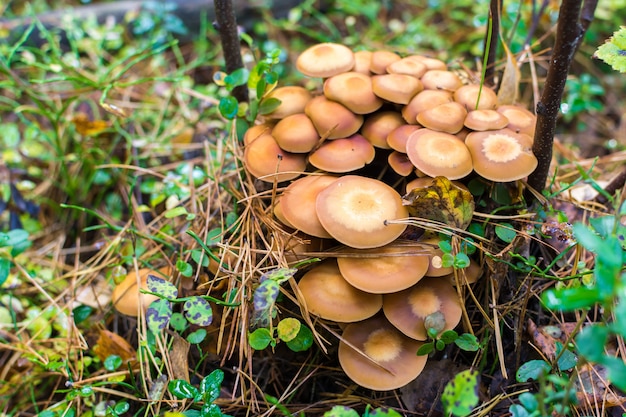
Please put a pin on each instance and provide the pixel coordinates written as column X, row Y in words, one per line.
column 198, row 311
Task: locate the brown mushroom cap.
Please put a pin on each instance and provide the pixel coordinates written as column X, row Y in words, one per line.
column 396, row 139
column 292, row 100
column 468, row 96
column 447, row 117
column 407, row 66
column 343, row 155
column 296, row 133
column 520, row 119
column 353, row 90
column 501, row 155
column 423, row 101
column 430, row 63
column 328, row 295
column 354, row 210
column 391, row 268
column 396, row 88
column 377, row 127
column 265, row 160
column 482, row 120
column 126, row 296
column 407, row 309
column 400, row 163
column 257, row 130
column 325, row 60
column 332, row 120
column 441, row 80
column 390, row 361
column 439, row 153
column 278, row 213
column 297, row 203
column 362, row 60
column 466, row 276
column 380, row 60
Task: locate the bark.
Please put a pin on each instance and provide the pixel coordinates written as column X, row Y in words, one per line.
column 226, row 25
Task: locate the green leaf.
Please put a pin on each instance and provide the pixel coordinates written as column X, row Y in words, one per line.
column 302, row 341
column 517, row 410
column 5, row 269
column 211, row 385
column 613, row 52
column 506, row 232
column 268, row 105
column 384, row 412
column 467, row 342
column 198, row 311
column 81, row 313
column 567, row 359
column 178, row 322
column 182, row 389
column 449, row 336
column 160, row 286
column 288, row 329
column 567, row 299
column 460, row 395
column 112, row 362
column 617, row 371
column 236, row 78
column 184, row 268
column 158, row 315
column 591, row 341
column 228, row 107
column 532, row 370
column 175, row 212
column 196, row 337
column 341, row 411
column 529, row 401
column 211, row 410
column 260, row 338
column 461, row 261
column 425, row 349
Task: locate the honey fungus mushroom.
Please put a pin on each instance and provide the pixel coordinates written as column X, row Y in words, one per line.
column 328, row 295
column 355, row 211
column 126, row 296
column 265, row 160
column 375, row 355
column 325, row 60
column 439, row 153
column 408, row 309
column 343, row 154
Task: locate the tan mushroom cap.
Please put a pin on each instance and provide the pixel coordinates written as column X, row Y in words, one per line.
column 296, row 133
column 438, row 153
column 377, row 127
column 390, row 359
column 400, row 163
column 423, row 101
column 292, row 100
column 466, row 276
column 396, row 88
column 430, row 63
column 501, row 155
column 441, row 80
column 520, row 119
column 328, row 295
column 362, row 60
column 353, row 90
column 468, row 96
column 126, row 296
column 407, row 309
column 325, row 60
column 297, row 203
column 257, row 130
column 391, row 268
column 482, row 120
column 447, row 117
column 278, row 213
column 332, row 120
column 407, row 66
column 396, row 139
column 380, row 60
column 264, row 159
column 355, row 211
column 343, row 155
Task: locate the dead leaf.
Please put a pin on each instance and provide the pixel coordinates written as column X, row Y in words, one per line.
column 442, row 201
column 87, row 127
column 179, row 358
column 593, row 389
column 545, row 337
column 110, row 343
column 509, row 87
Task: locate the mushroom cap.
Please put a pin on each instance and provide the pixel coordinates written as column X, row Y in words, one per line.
column 362, row 60
column 126, row 296
column 441, row 80
column 278, row 213
column 396, row 88
column 482, row 120
column 292, row 100
column 520, row 119
column 297, row 203
column 332, row 120
column 435, row 268
column 296, row 133
column 501, row 155
column 390, row 359
column 407, row 66
column 353, row 90
column 400, row 163
column 423, row 101
column 377, row 127
column 391, row 268
column 396, row 139
column 354, row 210
column 257, row 130
column 264, row 159
column 439, row 153
column 431, row 63
column 328, row 295
column 325, row 60
column 447, row 117
column 380, row 60
column 468, row 275
column 343, row 155
column 407, row 309
column 468, row 96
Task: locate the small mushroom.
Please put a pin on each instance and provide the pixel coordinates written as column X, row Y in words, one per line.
column 447, row 117
column 377, row 356
column 332, row 120
column 468, row 96
column 292, row 100
column 377, row 127
column 126, row 296
column 257, row 130
column 355, row 211
column 353, row 90
column 296, row 133
column 328, row 295
column 343, row 155
column 501, row 155
column 325, row 60
column 439, row 154
column 265, row 160
column 481, row 120
column 441, row 80
column 362, row 60
column 423, row 101
column 408, row 309
column 407, row 66
column 400, row 163
column 380, row 60
column 430, row 63
column 396, row 88
column 396, row 139
column 520, row 119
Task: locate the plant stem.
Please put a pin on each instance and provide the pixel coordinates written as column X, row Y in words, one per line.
column 491, row 41
column 226, row 25
column 571, row 28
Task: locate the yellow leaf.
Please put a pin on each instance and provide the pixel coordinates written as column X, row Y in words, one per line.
column 87, row 127
column 442, row 201
column 507, row 94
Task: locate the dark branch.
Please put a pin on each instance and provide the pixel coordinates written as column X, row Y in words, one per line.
column 226, row 25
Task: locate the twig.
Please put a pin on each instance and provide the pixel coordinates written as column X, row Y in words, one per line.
column 616, row 183
column 226, row 25
column 571, row 27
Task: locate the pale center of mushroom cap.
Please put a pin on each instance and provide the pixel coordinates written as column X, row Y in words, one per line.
column 383, row 345
column 501, row 148
column 442, row 152
column 362, row 210
column 424, row 302
column 486, row 116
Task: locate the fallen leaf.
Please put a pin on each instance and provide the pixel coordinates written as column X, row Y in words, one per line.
column 110, row 343
column 507, row 93
column 87, row 127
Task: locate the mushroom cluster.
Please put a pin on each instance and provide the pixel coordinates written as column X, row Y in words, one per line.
column 416, row 119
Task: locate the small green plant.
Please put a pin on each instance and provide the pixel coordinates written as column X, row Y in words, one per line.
column 556, row 396
column 613, row 52
column 582, row 95
column 343, row 411
column 460, row 395
column 12, row 244
column 202, row 397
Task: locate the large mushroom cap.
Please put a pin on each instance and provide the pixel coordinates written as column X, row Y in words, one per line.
column 447, row 117
column 439, row 154
column 383, row 270
column 292, row 100
column 325, row 60
column 353, row 90
column 407, row 309
column 386, row 359
column 332, row 120
column 343, row 155
column 501, row 155
column 328, row 295
column 476, row 97
column 441, row 80
column 296, row 133
column 423, row 101
column 355, row 211
column 396, row 88
column 482, row 120
column 127, row 297
column 265, row 160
